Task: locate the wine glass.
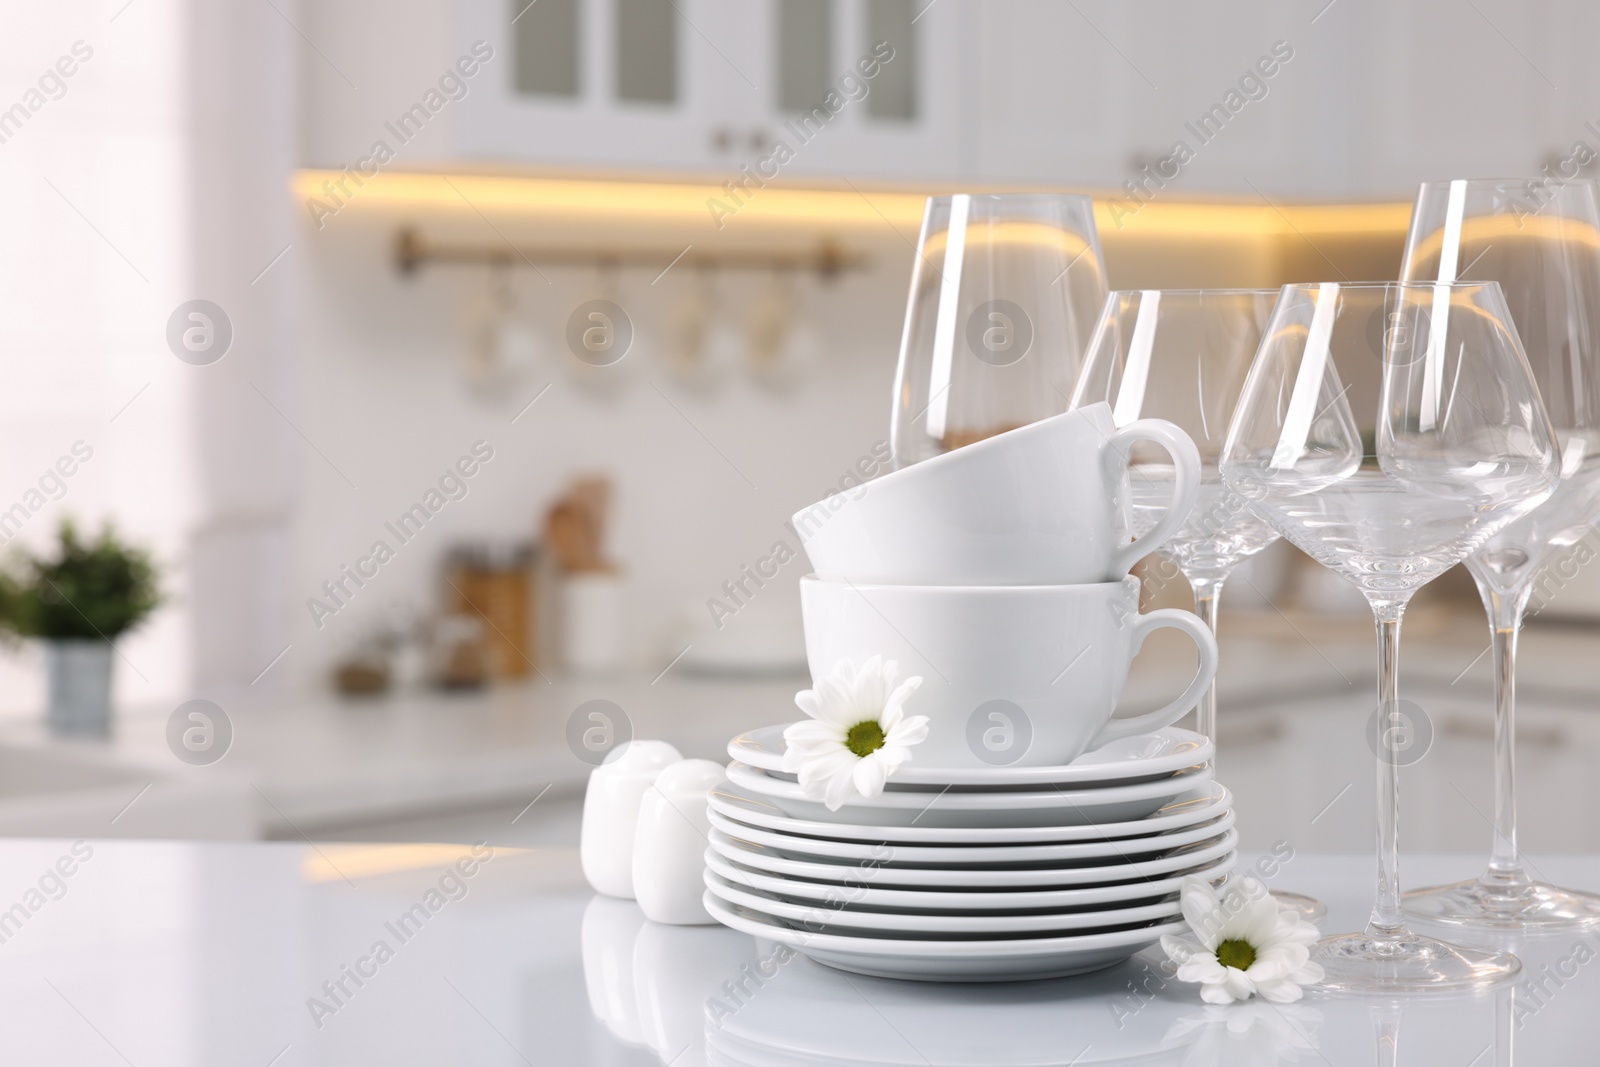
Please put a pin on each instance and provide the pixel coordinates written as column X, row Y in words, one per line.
column 1004, row 294
column 1182, row 355
column 1388, row 431
column 1544, row 250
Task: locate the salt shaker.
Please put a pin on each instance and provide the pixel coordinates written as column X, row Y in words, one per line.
column 611, row 813
column 669, row 849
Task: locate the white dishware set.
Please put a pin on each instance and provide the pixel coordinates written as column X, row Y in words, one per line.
column 962, row 801
column 1032, row 832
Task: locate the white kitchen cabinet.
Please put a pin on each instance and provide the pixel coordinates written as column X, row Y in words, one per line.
column 1088, row 95
column 1375, row 99
column 621, row 83
column 1469, row 90
column 914, row 118
column 781, row 86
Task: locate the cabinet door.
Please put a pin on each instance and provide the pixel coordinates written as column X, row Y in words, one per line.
column 1054, row 98
column 878, row 88
column 1456, row 90
column 637, row 83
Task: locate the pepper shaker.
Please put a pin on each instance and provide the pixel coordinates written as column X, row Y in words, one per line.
column 611, row 813
column 670, row 846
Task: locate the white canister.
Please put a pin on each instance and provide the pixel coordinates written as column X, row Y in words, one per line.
column 591, row 621
column 611, row 813
column 670, row 846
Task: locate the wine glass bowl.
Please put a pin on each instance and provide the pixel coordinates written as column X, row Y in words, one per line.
column 1004, row 293
column 1389, row 455
column 1182, row 356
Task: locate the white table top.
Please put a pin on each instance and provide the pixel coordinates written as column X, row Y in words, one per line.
column 217, row 954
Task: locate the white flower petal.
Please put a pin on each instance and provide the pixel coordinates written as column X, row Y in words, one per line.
column 1238, row 983
column 816, row 775
column 869, row 775
column 1199, row 904
column 1181, row 950
column 1216, row 994
column 835, row 704
column 1282, row 991
column 1202, row 968
column 840, row 788
column 911, row 730
column 904, row 690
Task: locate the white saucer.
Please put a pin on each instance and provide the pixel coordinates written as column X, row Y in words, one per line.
column 949, row 961
column 1078, row 854
column 1198, row 804
column 1045, row 807
column 1140, row 758
column 865, row 897
column 850, row 923
column 762, row 858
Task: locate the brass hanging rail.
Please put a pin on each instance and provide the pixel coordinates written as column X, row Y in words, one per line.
column 412, row 251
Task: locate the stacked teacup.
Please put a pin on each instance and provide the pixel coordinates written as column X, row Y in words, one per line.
column 1021, row 831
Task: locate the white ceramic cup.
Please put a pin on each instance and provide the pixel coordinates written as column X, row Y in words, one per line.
column 1025, row 676
column 1045, row 504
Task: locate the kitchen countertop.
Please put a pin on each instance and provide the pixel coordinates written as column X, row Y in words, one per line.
column 207, row 954
column 319, row 761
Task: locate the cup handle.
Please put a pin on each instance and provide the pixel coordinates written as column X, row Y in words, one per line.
column 1185, row 485
column 1205, row 645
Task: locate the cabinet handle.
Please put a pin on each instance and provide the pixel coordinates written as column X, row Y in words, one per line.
column 722, row 139
column 760, row 140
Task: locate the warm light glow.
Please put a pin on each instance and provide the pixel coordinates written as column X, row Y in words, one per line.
column 614, row 200
column 1480, row 232
column 679, row 201
column 335, row 863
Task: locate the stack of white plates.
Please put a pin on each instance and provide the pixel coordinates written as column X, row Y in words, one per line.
column 971, row 875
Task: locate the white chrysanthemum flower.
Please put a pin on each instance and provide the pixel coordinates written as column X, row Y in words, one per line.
column 857, row 734
column 1244, row 943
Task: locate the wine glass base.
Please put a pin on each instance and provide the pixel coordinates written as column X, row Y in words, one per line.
column 1408, row 963
column 1526, row 906
column 1308, row 908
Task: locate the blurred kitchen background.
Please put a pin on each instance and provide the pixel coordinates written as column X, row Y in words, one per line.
column 569, row 304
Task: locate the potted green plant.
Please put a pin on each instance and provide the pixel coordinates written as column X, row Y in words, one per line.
column 78, row 603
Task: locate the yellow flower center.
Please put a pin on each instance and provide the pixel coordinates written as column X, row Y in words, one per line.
column 864, row 738
column 1236, row 954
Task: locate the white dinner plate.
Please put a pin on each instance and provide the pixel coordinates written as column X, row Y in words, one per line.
column 864, row 896
column 851, row 923
column 1075, row 854
column 762, row 858
column 1143, row 757
column 1044, row 807
column 949, row 961
column 1198, row 804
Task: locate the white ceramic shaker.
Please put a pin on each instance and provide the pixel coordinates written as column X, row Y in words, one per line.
column 611, row 813
column 669, row 850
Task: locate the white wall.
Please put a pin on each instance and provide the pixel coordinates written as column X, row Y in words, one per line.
column 385, row 399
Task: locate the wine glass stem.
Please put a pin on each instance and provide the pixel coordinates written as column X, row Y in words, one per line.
column 1386, row 920
column 1207, row 593
column 1505, row 622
